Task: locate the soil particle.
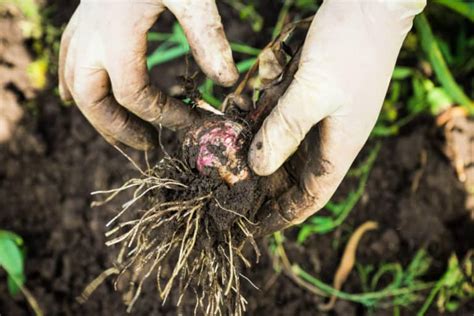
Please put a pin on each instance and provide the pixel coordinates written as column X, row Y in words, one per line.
column 240, row 198
column 229, row 202
column 388, row 245
column 433, row 231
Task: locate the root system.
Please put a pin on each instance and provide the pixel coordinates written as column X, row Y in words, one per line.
column 174, row 230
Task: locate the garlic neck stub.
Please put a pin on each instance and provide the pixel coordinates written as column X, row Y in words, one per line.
column 215, row 148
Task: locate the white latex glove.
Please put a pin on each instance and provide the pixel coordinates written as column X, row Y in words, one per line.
column 344, row 73
column 103, row 64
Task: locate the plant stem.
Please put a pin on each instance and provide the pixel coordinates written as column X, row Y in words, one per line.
column 363, row 298
column 431, row 48
column 361, row 187
column 29, row 297
column 439, row 284
column 282, row 18
column 462, row 7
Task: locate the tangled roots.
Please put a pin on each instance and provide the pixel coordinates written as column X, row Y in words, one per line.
column 185, row 236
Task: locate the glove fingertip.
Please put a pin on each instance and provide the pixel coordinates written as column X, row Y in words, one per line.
column 64, row 93
column 219, row 68
column 261, row 159
column 228, row 77
column 203, row 27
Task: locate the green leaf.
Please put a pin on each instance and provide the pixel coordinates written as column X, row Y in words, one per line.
column 389, row 111
column 438, row 100
column 178, row 34
column 211, row 99
column 417, row 102
column 452, row 306
column 155, row 36
column 161, row 57
column 246, row 64
column 11, row 259
column 5, row 234
column 418, row 266
column 384, row 131
column 335, row 208
column 307, row 5
column 321, row 220
column 175, row 46
column 465, row 8
column 400, row 73
column 445, row 50
column 244, row 49
column 304, row 233
column 248, row 13
column 13, row 283
column 431, row 48
column 315, row 225
column 395, row 91
column 454, row 274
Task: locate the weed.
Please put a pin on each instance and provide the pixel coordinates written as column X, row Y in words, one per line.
column 318, row 224
column 248, row 12
column 464, row 8
column 174, row 45
column 454, row 287
column 401, row 291
column 431, row 48
column 12, row 260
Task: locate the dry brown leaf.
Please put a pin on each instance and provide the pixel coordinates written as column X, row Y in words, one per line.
column 347, row 262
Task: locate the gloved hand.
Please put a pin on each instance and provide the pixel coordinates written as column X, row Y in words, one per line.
column 103, row 68
column 345, row 69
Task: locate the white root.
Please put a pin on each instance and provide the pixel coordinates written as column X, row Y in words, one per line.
column 145, row 244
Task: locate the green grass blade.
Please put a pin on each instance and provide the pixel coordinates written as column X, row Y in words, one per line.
column 435, row 57
column 207, row 92
column 244, row 49
column 323, row 225
column 161, row 57
column 354, row 198
column 464, row 8
column 368, row 299
column 400, row 73
column 246, row 64
column 4, row 234
column 211, row 99
column 282, row 18
column 155, row 36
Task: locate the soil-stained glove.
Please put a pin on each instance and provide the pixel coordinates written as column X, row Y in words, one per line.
column 344, row 73
column 103, row 64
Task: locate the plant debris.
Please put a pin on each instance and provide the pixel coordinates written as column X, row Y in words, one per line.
column 347, row 262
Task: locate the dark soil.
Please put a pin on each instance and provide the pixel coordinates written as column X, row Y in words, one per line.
column 55, row 160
